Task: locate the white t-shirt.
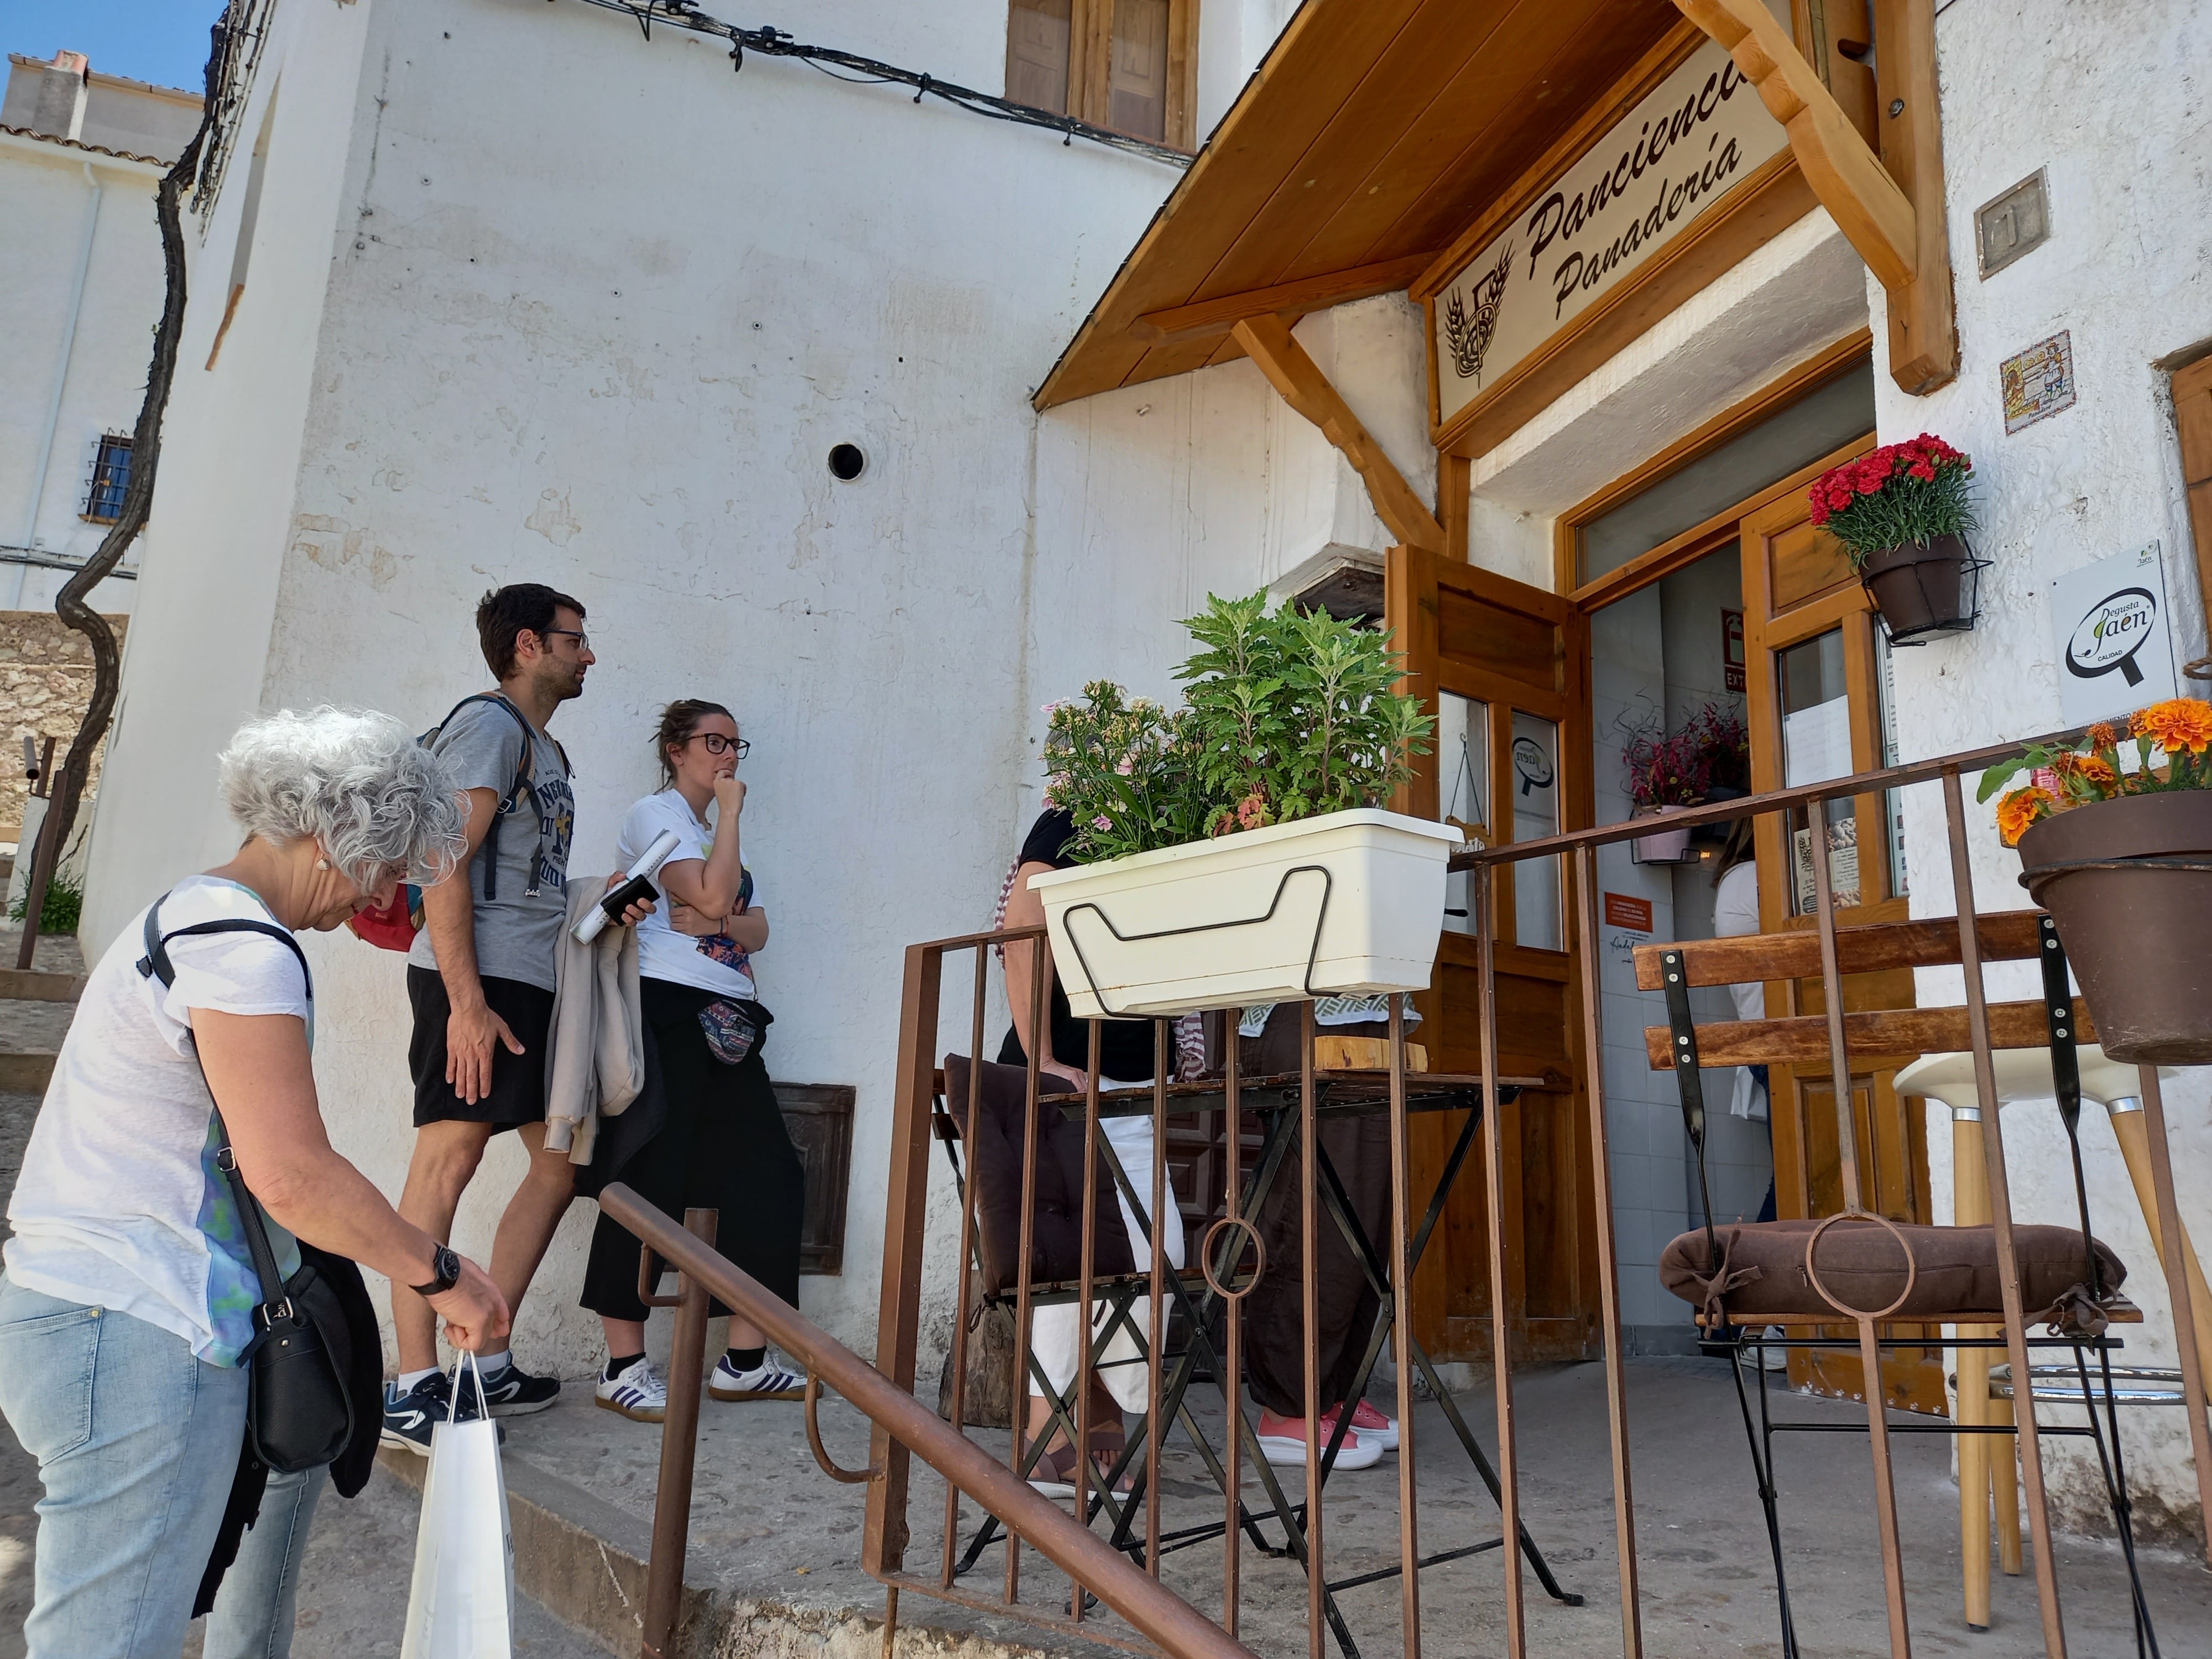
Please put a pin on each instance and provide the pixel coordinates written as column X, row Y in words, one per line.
column 713, row 962
column 119, row 1204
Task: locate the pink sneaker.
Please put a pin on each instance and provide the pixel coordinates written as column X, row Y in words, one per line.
column 1371, row 1423
column 1283, row 1441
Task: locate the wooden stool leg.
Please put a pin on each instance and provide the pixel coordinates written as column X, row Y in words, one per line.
column 2004, row 1483
column 1976, row 1452
column 1970, row 1193
column 2127, row 1127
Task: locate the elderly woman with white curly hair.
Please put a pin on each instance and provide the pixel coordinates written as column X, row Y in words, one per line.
column 129, row 1300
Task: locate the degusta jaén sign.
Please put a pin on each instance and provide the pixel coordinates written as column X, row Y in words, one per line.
column 1694, row 137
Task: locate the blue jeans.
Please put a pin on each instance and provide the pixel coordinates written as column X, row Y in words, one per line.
column 137, row 1442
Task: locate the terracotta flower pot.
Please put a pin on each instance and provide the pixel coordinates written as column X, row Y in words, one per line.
column 1915, row 585
column 2137, row 931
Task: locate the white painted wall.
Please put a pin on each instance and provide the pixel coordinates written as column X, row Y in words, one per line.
column 484, row 340
column 2108, row 105
column 79, row 293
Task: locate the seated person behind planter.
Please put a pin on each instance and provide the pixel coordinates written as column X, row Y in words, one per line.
column 1118, row 1377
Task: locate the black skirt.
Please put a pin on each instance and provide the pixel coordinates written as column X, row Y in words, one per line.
column 722, row 1145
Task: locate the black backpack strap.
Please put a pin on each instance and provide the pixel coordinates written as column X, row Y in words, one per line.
column 155, row 964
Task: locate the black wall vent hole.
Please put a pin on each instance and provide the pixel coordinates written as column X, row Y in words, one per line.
column 847, row 462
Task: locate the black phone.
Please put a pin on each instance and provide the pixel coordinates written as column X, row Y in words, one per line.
column 637, row 888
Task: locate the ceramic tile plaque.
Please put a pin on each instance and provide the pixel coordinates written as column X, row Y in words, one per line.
column 2038, row 382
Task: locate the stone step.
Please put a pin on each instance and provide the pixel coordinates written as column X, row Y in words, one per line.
column 37, row 985
column 26, row 1075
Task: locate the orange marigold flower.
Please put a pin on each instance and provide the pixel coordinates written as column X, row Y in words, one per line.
column 2095, row 769
column 2020, row 809
column 2103, row 736
column 2177, row 725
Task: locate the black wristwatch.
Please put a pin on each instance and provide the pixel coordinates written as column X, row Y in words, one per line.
column 447, row 1267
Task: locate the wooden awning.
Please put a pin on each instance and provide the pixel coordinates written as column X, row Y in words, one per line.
column 1371, row 137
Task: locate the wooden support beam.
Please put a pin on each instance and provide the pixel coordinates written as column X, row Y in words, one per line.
column 1211, row 318
column 1267, row 341
column 1923, row 323
column 1891, row 208
column 1866, row 202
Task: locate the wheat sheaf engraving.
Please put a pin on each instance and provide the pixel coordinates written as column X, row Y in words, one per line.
column 1470, row 335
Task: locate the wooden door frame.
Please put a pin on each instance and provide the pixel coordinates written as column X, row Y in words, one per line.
column 1911, row 1378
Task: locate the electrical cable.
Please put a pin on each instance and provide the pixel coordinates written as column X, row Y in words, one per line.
column 771, row 42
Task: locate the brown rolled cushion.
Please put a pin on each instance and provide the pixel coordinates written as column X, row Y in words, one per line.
column 1763, row 1270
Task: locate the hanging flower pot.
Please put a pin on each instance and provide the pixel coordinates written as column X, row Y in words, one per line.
column 1902, row 512
column 2121, row 855
column 1923, row 587
column 1667, row 845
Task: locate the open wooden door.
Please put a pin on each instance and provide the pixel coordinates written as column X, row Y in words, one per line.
column 1505, row 669
column 1819, row 708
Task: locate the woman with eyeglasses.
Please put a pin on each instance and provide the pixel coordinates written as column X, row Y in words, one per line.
column 720, row 1143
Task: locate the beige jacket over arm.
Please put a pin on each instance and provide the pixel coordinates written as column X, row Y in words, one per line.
column 595, row 1055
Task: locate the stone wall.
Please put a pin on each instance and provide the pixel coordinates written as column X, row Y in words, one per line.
column 46, row 680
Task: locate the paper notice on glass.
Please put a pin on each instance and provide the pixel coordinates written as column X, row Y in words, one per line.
column 1843, row 864
column 1816, row 743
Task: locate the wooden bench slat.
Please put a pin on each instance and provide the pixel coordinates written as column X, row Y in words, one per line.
column 2006, row 936
column 1887, row 1033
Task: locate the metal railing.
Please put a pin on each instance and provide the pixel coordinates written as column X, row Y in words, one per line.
column 1185, row 1309
column 1162, row 1618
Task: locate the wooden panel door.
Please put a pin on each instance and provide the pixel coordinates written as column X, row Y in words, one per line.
column 1817, row 710
column 1506, row 669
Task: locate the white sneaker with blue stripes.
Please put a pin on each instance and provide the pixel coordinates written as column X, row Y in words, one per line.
column 637, row 1391
column 767, row 1381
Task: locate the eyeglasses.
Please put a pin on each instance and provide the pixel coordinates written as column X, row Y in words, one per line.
column 717, row 745
column 583, row 640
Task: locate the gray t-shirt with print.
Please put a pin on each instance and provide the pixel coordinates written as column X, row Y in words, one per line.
column 518, row 930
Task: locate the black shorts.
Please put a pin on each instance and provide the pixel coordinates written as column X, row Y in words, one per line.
column 518, row 1081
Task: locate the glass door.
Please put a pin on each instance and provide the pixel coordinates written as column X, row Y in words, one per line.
column 1817, row 675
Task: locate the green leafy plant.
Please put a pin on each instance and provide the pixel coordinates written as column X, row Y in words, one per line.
column 1285, row 716
column 65, row 904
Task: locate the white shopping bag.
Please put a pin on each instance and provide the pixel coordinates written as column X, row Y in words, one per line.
column 462, row 1603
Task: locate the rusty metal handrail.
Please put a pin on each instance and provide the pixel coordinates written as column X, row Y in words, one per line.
column 1178, row 1628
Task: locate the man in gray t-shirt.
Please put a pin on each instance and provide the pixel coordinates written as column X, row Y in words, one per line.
column 520, row 902
column 480, row 978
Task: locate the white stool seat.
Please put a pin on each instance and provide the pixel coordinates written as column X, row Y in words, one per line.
column 2021, row 1074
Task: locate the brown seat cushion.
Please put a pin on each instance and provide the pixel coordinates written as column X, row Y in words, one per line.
column 1763, row 1270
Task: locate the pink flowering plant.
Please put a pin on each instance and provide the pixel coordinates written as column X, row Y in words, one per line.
column 1914, row 491
column 1712, row 749
column 1285, row 716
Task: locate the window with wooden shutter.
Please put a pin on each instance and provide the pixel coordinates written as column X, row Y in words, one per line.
column 2192, row 410
column 1127, row 65
column 1038, row 53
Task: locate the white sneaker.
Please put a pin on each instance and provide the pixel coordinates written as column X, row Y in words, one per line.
column 637, row 1391
column 1358, row 1451
column 1773, row 1357
column 767, row 1382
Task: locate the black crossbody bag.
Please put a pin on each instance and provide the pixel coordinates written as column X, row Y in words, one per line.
column 299, row 1413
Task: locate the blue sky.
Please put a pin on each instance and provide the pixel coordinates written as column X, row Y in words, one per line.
column 164, row 41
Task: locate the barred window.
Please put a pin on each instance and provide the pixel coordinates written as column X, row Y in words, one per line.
column 111, row 478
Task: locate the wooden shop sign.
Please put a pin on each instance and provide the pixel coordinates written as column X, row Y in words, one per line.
column 1690, row 142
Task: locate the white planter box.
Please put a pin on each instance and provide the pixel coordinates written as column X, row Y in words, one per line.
column 1348, row 904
